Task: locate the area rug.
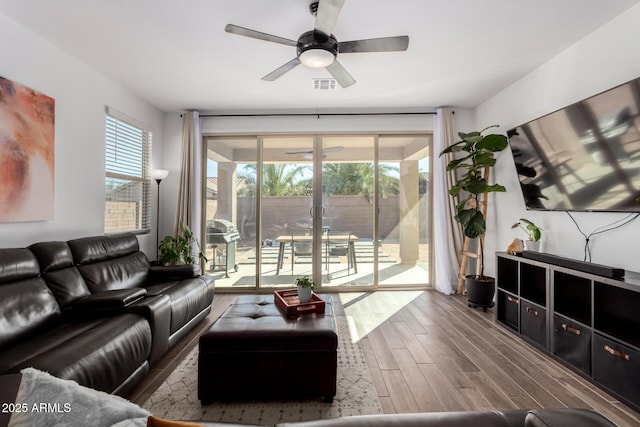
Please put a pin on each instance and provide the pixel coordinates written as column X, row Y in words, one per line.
column 177, row 397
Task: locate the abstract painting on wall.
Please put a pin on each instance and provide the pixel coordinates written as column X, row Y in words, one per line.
column 27, row 175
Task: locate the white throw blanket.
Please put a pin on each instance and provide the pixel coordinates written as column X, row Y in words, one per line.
column 47, row 401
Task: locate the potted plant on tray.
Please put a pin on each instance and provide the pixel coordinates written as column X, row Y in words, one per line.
column 533, row 233
column 305, row 288
column 475, row 159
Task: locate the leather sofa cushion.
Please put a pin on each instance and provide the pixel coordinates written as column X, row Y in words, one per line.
column 188, row 298
column 110, row 262
column 17, row 264
column 129, row 271
column 59, row 271
column 98, row 353
column 26, row 304
column 52, row 256
column 87, row 250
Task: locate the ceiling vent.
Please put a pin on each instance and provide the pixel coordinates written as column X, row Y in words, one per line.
column 324, row 84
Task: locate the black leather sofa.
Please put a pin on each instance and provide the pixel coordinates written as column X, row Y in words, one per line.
column 94, row 310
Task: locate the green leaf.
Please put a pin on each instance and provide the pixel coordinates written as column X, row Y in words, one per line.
column 496, row 188
column 453, row 148
column 475, row 185
column 472, row 137
column 454, row 164
column 465, row 215
column 485, row 159
column 463, row 203
column 493, row 143
column 535, row 232
column 475, row 226
column 455, row 190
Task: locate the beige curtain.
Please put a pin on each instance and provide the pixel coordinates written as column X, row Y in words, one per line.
column 189, row 211
column 447, row 232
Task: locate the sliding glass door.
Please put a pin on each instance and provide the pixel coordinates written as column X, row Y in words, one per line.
column 349, row 211
column 349, row 207
column 231, row 215
column 404, row 206
column 286, row 206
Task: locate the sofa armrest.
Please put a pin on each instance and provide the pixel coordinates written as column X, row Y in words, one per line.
column 109, row 300
column 565, row 418
column 164, row 273
column 157, row 311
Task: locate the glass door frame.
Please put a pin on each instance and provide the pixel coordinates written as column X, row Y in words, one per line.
column 318, row 210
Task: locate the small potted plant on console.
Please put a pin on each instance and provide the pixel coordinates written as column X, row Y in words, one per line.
column 305, row 288
column 533, row 233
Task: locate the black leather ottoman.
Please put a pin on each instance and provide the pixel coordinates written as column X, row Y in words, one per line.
column 254, row 352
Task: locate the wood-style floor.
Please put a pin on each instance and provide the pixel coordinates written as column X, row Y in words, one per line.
column 430, row 352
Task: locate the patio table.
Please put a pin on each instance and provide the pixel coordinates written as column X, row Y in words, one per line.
column 326, row 239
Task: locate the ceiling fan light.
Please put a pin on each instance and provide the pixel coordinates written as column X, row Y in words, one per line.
column 317, row 58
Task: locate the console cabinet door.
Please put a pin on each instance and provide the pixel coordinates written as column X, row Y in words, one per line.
column 508, row 309
column 533, row 322
column 572, row 343
column 617, row 367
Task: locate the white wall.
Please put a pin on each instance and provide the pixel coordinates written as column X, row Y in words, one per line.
column 317, row 124
column 81, row 95
column 602, row 60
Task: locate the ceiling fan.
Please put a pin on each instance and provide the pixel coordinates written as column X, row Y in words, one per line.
column 325, row 151
column 319, row 48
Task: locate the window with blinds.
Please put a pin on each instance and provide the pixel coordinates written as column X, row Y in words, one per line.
column 127, row 192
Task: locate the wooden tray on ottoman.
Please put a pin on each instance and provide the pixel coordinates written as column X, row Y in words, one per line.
column 287, row 300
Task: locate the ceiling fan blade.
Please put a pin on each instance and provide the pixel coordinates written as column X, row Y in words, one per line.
column 278, row 72
column 341, row 75
column 299, row 152
column 383, row 44
column 324, row 150
column 332, row 149
column 241, row 31
column 327, row 15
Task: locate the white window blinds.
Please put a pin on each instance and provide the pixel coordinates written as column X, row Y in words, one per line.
column 127, row 196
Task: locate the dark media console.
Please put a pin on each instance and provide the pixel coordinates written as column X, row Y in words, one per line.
column 584, row 315
column 587, row 267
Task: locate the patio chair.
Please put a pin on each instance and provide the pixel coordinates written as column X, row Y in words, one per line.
column 340, row 247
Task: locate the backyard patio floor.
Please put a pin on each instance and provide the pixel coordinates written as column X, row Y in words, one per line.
column 334, row 273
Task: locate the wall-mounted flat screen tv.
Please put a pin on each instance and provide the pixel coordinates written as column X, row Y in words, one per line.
column 585, row 157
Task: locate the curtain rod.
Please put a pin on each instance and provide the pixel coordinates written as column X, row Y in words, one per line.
column 316, row 114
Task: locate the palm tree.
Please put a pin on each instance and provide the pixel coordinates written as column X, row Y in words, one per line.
column 278, row 179
column 357, row 179
column 284, row 179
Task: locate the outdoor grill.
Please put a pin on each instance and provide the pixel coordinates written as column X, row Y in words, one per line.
column 223, row 235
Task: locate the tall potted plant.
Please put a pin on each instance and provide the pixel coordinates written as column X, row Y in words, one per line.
column 475, row 158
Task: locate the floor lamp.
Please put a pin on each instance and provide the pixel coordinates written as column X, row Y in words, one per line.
column 158, row 175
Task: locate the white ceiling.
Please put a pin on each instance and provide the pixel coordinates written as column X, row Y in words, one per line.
column 177, row 56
